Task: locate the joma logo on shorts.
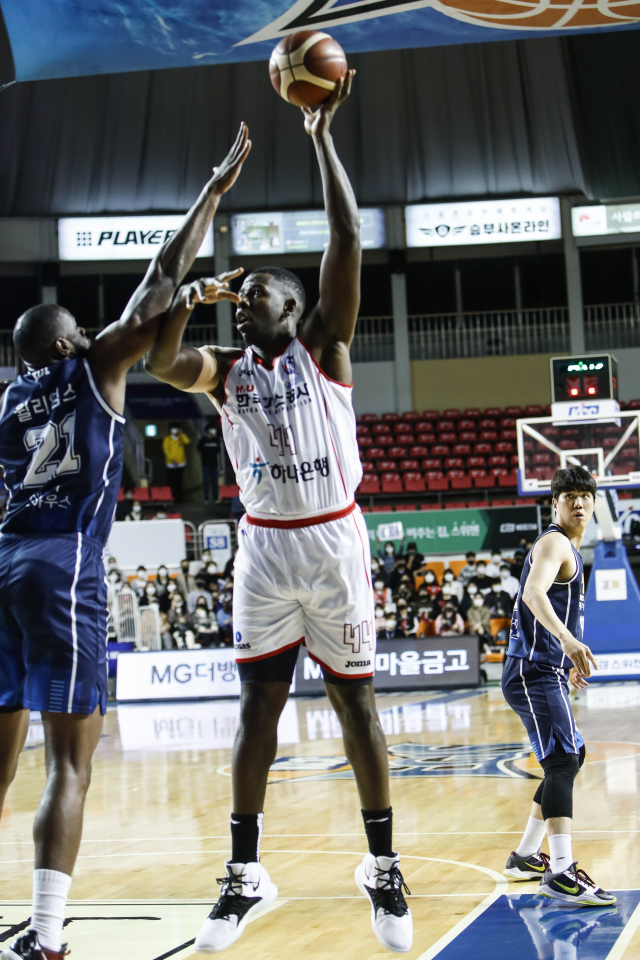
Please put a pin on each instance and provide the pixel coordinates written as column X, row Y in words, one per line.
column 243, row 646
column 358, row 663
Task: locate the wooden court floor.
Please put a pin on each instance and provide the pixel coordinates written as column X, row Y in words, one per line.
column 156, row 832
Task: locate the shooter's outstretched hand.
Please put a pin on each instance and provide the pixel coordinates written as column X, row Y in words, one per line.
column 317, row 122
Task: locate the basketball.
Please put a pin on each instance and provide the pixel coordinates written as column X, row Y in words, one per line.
column 305, row 67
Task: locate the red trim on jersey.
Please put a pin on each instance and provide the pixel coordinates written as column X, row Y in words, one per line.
column 274, row 653
column 231, row 365
column 364, row 558
column 304, row 522
column 337, row 382
column 334, row 673
column 275, row 356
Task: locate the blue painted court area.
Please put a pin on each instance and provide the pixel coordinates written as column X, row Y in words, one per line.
column 535, row 928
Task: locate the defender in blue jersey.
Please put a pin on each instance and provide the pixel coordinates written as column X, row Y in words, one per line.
column 61, row 451
column 545, row 651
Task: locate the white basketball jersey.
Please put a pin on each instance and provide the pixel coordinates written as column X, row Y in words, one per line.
column 291, row 435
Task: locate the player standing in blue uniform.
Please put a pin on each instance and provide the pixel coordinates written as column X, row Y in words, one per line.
column 545, row 650
column 61, row 449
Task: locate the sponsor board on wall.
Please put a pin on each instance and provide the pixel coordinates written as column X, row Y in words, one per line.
column 120, row 238
column 482, row 221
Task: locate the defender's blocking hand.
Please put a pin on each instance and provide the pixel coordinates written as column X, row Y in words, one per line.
column 317, row 122
column 211, row 289
column 227, row 173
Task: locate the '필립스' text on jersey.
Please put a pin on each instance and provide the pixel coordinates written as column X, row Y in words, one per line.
column 291, row 435
column 529, row 639
column 61, row 447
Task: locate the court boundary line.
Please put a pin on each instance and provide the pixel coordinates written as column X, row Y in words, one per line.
column 626, row 936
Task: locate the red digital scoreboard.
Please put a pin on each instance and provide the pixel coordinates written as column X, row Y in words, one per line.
column 584, row 378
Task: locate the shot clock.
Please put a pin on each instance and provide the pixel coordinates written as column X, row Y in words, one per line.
column 585, row 378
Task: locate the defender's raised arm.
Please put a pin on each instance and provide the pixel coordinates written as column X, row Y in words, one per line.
column 329, row 329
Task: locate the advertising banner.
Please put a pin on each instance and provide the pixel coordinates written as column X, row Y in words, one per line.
column 456, row 531
column 482, row 221
column 408, row 664
column 120, row 238
column 177, row 675
column 298, row 231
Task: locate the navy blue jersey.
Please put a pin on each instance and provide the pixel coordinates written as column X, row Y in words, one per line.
column 529, row 640
column 61, row 446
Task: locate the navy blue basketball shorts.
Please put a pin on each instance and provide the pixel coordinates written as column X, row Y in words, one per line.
column 539, row 694
column 53, row 623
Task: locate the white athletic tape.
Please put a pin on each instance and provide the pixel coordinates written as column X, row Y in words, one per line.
column 292, row 68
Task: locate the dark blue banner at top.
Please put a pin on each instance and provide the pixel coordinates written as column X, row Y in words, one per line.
column 62, row 38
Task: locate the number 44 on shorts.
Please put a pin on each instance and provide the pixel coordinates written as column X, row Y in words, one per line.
column 360, row 635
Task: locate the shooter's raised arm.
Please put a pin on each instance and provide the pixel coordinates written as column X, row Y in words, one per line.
column 329, row 329
column 124, row 342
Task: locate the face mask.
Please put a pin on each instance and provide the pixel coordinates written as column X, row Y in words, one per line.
column 429, row 578
column 448, row 577
column 211, row 569
column 389, row 550
column 142, row 575
column 162, row 572
column 379, row 613
column 206, row 556
column 478, row 601
column 496, row 559
column 137, row 508
column 113, row 577
column 472, row 589
column 379, row 585
column 175, row 433
column 171, row 588
column 480, row 570
column 391, row 624
column 504, row 574
column 151, row 591
column 446, row 590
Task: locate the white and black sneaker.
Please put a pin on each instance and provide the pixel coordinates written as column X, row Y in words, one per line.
column 379, row 878
column 27, row 947
column 246, row 891
column 574, row 886
column 526, row 868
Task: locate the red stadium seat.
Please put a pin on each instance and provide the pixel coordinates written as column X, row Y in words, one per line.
column 418, row 451
column 451, row 414
column 533, row 410
column 426, row 438
column 432, row 463
column 492, row 412
column 228, row 491
column 457, row 474
column 397, row 453
column 468, row 436
column 508, row 479
column 508, row 434
column 391, row 483
column 443, row 425
column 433, row 474
column 385, row 440
column 541, row 458
column 570, row 444
column 369, row 418
column 478, row 504
column 461, row 483
column 454, row 463
column 365, row 442
column 437, row 485
column 120, row 494
column 528, row 445
column 482, row 448
column 455, row 506
column 461, row 450
column 484, row 481
column 447, row 438
column 386, row 466
column 410, row 415
column 402, row 428
column 467, row 424
column 488, row 424
column 369, row 484
column 162, row 493
column 407, row 466
column 430, row 415
column 497, row 461
column 440, row 450
column 141, row 494
column 378, row 428
column 390, row 417
column 513, row 460
column 502, row 503
column 403, row 507
column 503, row 447
column 363, row 430
column 472, row 413
column 488, row 435
column 513, row 411
column 476, row 462
column 380, row 509
column 498, row 471
column 413, row 482
column 542, row 473
column 634, row 405
column 508, row 423
column 375, row 453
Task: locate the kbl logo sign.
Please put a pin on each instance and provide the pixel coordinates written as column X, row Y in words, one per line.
column 218, row 543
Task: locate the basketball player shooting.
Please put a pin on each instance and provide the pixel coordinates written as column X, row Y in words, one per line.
column 302, row 569
column 545, row 640
column 61, row 446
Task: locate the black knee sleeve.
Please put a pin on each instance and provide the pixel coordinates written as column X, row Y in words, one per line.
column 556, row 795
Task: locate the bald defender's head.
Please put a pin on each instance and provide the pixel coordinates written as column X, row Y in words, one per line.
column 48, row 333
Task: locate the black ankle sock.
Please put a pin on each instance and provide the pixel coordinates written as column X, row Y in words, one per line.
column 246, row 829
column 378, row 825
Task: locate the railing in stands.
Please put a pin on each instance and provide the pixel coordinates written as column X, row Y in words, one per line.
column 612, row 326
column 373, row 340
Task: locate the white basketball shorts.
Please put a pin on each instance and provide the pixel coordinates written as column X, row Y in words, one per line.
column 306, row 585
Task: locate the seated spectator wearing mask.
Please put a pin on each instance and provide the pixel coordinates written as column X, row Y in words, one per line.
column 392, row 629
column 205, row 624
column 112, row 564
column 224, row 617
column 201, row 564
column 447, row 597
column 518, row 563
column 380, row 619
column 449, row 623
column 375, row 567
column 114, row 584
column 468, row 572
column 509, row 583
column 414, row 559
column 407, row 588
column 210, row 575
column 493, row 567
column 124, row 507
column 481, row 580
column 432, row 585
column 185, row 581
column 406, row 619
column 457, row 588
column 479, row 617
column 136, row 512
column 467, row 601
column 498, row 600
column 399, row 571
column 139, row 582
column 149, row 597
column 175, row 457
column 162, row 580
column 165, row 598
column 381, row 593
column 181, row 623
column 200, row 591
column 388, row 556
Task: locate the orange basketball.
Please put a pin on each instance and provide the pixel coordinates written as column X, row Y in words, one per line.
column 305, row 66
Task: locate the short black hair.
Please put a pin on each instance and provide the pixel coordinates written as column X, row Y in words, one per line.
column 35, row 332
column 288, row 279
column 572, row 478
column 470, row 554
column 174, row 423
